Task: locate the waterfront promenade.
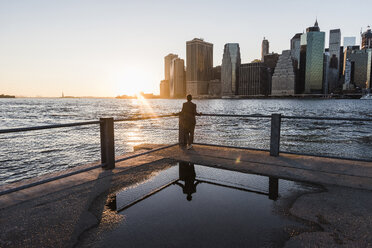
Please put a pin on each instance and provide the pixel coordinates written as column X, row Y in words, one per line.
column 60, row 213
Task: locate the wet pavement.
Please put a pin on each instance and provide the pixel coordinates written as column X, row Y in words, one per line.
column 64, row 212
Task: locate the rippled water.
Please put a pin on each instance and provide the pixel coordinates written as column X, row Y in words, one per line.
column 27, row 154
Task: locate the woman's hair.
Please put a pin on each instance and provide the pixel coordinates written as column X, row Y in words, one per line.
column 189, row 97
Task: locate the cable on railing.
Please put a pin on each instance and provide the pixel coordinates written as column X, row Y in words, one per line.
column 232, row 115
column 25, row 129
column 290, row 117
column 325, row 118
column 146, row 117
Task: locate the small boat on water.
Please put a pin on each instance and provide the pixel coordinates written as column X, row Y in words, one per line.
column 367, row 97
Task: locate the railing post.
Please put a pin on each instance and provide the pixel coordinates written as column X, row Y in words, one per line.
column 275, row 134
column 107, row 143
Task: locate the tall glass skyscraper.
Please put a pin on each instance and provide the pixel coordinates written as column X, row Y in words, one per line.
column 311, row 60
column 230, row 69
column 334, row 59
column 295, row 48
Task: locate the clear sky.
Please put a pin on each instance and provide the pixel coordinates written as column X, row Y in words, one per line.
column 112, row 47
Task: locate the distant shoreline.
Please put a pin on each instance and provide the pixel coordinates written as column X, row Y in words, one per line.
column 6, row 96
column 300, row 96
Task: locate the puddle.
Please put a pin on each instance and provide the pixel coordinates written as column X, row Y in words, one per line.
column 191, row 205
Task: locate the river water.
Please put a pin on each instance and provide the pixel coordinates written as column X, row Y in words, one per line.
column 28, row 154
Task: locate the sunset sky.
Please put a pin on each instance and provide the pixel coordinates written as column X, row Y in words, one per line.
column 109, row 48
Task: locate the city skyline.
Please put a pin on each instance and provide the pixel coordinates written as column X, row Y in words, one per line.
column 118, row 48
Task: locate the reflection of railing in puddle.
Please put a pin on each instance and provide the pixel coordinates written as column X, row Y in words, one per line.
column 188, row 176
column 188, row 180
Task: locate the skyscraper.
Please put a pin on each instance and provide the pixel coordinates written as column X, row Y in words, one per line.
column 326, row 72
column 284, row 78
column 230, row 69
column 199, row 66
column 362, row 65
column 369, row 70
column 167, row 64
column 164, row 89
column 177, row 82
column 347, row 74
column 164, row 84
column 334, row 57
column 254, row 79
column 295, row 48
column 311, row 60
column 349, row 41
column 264, row 49
column 367, row 39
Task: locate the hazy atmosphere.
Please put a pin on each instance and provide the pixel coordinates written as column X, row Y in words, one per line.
column 107, row 48
column 198, row 123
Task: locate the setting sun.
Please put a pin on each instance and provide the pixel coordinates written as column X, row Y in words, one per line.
column 131, row 81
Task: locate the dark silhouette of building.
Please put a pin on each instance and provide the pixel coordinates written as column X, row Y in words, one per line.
column 230, row 69
column 254, row 79
column 270, row 61
column 334, row 57
column 264, row 49
column 326, row 72
column 295, row 49
column 341, row 62
column 215, row 85
column 216, row 73
column 314, row 28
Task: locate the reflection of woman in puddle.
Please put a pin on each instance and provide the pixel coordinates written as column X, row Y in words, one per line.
column 187, row 174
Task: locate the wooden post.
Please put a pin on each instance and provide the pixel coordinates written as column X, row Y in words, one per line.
column 275, row 134
column 107, row 143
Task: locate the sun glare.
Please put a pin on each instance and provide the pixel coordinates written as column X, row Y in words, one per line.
column 132, row 81
column 145, row 106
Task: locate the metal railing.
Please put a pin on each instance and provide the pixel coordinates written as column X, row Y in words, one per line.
column 108, row 146
column 275, row 132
